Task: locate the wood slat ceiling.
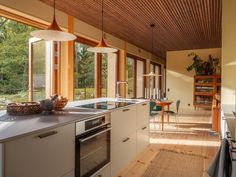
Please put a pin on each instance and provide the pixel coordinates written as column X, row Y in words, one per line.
column 180, row 24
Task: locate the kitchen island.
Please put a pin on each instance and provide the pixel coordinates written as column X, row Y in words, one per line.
column 36, row 146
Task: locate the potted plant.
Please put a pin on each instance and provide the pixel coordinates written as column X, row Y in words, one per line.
column 209, row 67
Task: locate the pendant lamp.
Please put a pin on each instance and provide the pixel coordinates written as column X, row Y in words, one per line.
column 102, row 47
column 152, row 74
column 53, row 32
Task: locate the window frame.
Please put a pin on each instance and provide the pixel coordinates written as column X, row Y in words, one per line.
column 160, row 71
column 136, row 58
column 98, row 69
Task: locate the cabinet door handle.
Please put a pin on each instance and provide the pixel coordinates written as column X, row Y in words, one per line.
column 144, row 104
column 47, row 134
column 126, row 139
column 124, row 110
column 144, row 128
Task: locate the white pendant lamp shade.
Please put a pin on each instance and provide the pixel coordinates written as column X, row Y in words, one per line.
column 151, row 74
column 102, row 47
column 53, row 32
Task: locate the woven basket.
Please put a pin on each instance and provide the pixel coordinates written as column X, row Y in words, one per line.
column 24, row 108
column 61, row 103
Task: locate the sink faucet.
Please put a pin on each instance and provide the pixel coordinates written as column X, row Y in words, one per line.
column 117, row 88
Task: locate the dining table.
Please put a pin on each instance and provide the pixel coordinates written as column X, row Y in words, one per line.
column 163, row 104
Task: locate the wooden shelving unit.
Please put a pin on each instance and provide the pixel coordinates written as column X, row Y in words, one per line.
column 205, row 88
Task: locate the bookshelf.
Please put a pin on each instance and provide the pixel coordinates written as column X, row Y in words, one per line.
column 205, row 88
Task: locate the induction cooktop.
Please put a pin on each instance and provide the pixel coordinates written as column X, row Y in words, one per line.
column 107, row 105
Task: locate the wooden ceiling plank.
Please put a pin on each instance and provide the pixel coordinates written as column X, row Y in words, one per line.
column 180, row 24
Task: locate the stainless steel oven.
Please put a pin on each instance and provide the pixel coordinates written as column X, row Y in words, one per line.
column 92, row 145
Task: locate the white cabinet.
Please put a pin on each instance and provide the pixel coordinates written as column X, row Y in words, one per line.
column 123, row 122
column 142, row 126
column 46, row 154
column 105, row 172
column 142, row 138
column 122, row 153
column 142, row 115
column 129, row 135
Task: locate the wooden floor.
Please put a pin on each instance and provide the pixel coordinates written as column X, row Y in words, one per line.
column 193, row 137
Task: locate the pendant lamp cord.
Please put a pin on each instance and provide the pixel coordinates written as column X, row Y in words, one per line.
column 54, row 9
column 152, row 40
column 102, row 16
column 152, row 26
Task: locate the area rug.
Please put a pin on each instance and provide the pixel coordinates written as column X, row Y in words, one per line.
column 173, row 164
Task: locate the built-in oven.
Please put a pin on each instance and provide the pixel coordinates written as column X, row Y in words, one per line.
column 93, row 145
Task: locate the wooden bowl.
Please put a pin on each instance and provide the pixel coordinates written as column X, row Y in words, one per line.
column 61, row 103
column 23, row 108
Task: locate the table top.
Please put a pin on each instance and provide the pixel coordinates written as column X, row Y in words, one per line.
column 163, row 102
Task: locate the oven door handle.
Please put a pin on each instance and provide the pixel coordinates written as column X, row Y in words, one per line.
column 99, row 133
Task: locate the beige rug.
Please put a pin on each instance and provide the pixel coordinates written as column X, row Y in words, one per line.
column 181, row 165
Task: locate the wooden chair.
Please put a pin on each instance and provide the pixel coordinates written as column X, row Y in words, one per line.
column 154, row 110
column 175, row 114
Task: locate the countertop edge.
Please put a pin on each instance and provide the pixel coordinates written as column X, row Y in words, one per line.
column 4, row 140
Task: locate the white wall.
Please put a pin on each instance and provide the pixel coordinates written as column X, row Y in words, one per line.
column 179, row 81
column 228, row 52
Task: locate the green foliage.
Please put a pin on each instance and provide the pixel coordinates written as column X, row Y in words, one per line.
column 196, row 65
column 84, row 75
column 84, row 66
column 13, row 56
column 201, row 67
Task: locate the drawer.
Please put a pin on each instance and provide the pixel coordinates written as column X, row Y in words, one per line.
column 122, row 153
column 142, row 138
column 142, row 114
column 49, row 153
column 123, row 123
column 105, row 172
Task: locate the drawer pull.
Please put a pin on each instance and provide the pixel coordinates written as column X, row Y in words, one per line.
column 144, row 104
column 126, row 139
column 144, row 128
column 47, row 134
column 124, row 110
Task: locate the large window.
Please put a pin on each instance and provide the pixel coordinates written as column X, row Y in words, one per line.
column 155, row 82
column 95, row 74
column 84, row 75
column 109, row 71
column 134, row 76
column 14, row 63
column 130, row 77
column 140, row 79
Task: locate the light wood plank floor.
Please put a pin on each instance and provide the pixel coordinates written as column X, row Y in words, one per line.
column 193, row 137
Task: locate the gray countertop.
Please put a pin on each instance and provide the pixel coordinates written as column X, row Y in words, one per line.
column 12, row 127
column 227, row 113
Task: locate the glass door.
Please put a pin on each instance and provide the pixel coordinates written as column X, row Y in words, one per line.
column 40, row 69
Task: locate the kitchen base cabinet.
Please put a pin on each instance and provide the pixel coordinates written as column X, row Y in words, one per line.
column 46, row 154
column 142, row 128
column 123, row 122
column 122, row 153
column 105, row 172
column 142, row 138
column 142, row 115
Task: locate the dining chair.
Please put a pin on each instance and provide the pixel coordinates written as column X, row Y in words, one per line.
column 154, row 110
column 175, row 114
